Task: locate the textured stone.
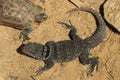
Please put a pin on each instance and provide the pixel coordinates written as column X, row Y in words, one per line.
column 112, row 12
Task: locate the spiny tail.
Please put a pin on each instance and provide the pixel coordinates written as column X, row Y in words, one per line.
column 98, row 36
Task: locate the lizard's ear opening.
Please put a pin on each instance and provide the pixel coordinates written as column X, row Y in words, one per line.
column 46, row 56
column 46, row 53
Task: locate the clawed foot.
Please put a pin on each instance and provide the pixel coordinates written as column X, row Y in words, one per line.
column 92, row 67
column 38, row 72
column 67, row 26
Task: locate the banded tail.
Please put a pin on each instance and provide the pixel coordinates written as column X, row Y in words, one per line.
column 98, row 36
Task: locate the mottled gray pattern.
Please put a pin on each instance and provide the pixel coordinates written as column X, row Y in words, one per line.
column 20, row 14
column 67, row 50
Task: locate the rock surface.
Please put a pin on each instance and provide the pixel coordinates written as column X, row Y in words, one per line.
column 112, row 10
column 14, row 66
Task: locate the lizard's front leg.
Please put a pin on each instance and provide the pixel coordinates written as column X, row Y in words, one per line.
column 48, row 64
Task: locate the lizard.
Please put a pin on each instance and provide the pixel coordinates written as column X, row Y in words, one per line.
column 68, row 50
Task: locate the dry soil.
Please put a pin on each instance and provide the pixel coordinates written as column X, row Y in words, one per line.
column 14, row 66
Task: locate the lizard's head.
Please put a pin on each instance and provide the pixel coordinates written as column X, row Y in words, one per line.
column 34, row 50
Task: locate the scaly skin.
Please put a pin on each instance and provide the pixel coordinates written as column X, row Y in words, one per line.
column 20, row 14
column 67, row 50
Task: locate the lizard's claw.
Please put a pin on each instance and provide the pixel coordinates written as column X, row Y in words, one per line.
column 93, row 65
column 68, row 26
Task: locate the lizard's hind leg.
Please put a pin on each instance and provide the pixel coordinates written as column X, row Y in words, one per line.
column 73, row 31
column 84, row 59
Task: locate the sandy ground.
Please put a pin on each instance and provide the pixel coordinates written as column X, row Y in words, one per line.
column 14, row 66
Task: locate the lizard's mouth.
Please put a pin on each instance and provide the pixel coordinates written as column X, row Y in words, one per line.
column 19, row 50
